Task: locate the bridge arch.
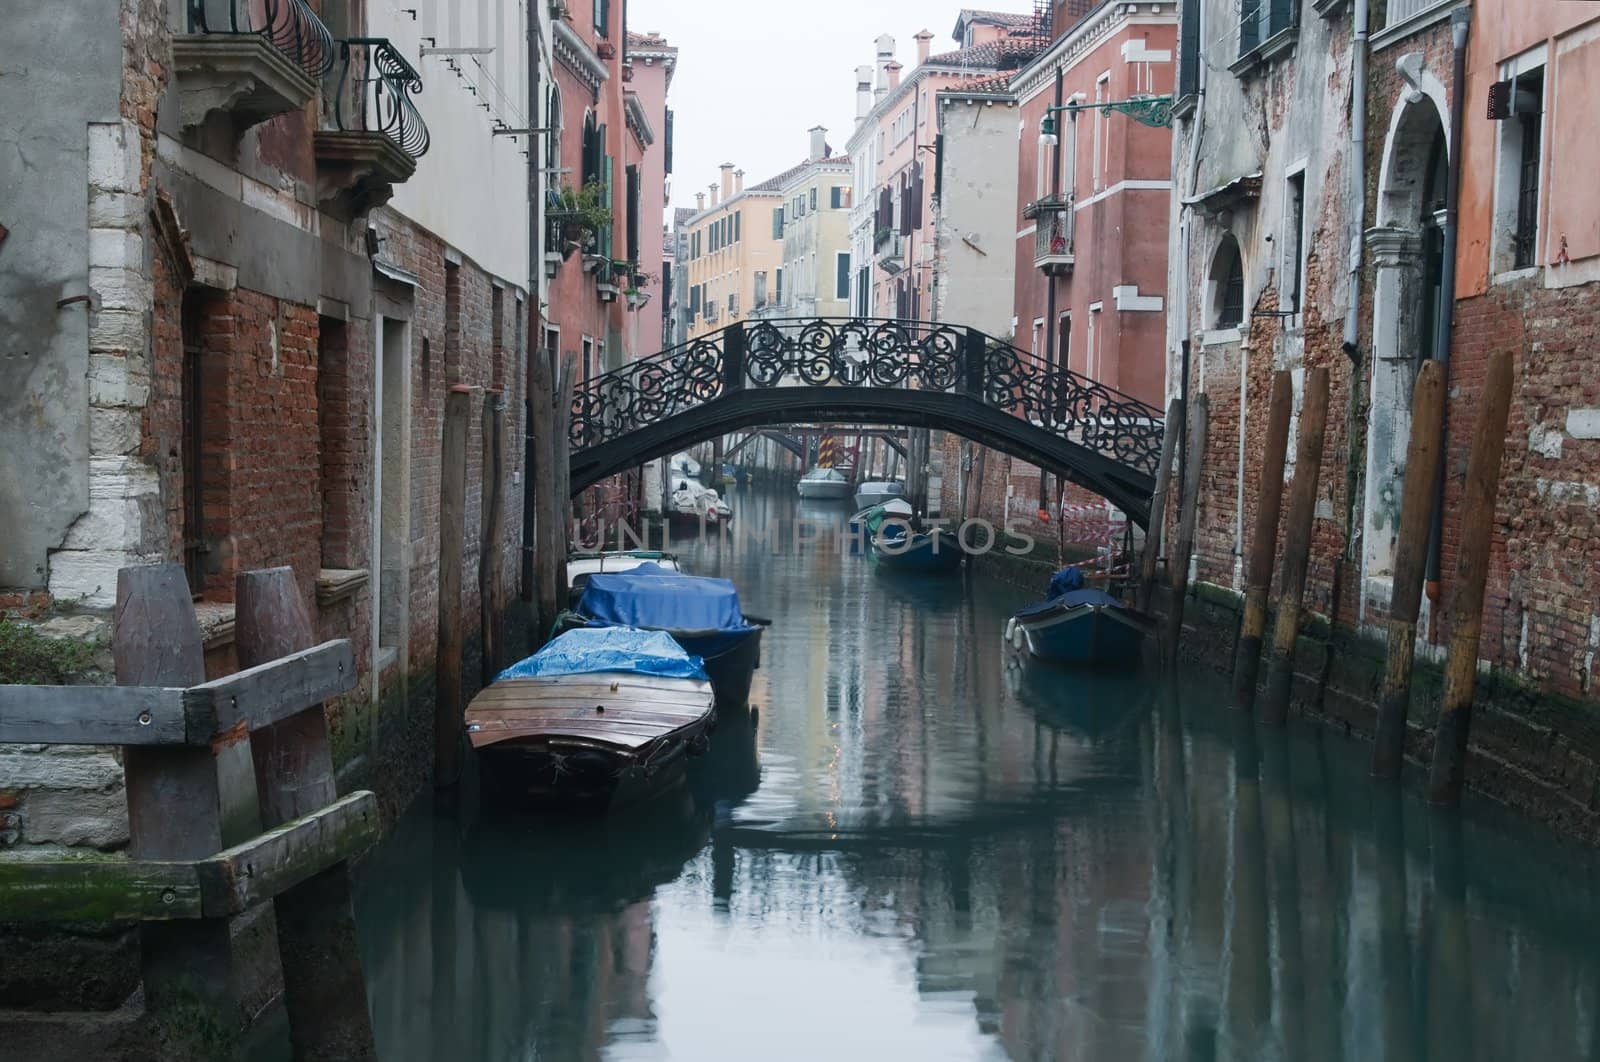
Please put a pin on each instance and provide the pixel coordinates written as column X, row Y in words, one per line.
column 869, row 371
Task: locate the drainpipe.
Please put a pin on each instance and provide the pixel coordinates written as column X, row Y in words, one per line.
column 1358, row 178
column 1050, row 280
column 1460, row 21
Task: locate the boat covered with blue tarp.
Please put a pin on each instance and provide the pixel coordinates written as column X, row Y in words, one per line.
column 1077, row 624
column 593, row 650
column 597, row 718
column 702, row 614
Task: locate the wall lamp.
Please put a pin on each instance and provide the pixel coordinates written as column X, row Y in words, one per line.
column 1154, row 111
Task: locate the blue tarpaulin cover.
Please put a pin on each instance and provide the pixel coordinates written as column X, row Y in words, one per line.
column 651, row 596
column 590, row 650
column 1067, row 591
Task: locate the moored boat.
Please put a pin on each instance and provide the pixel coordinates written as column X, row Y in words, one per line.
column 694, row 506
column 879, row 492
column 1079, row 626
column 595, row 719
column 580, row 566
column 898, row 547
column 866, row 523
column 823, row 484
column 703, row 615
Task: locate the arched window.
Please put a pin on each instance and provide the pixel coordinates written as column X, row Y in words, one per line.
column 552, row 139
column 1227, row 285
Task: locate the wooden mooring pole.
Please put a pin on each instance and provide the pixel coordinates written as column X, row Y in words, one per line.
column 447, row 712
column 324, row 989
column 1472, row 573
column 175, row 793
column 544, row 484
column 565, row 385
column 1297, row 545
column 1263, row 544
column 491, row 554
column 1158, row 506
column 1410, row 569
column 1178, row 561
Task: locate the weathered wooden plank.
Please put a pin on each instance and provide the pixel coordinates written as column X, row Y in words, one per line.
column 1197, row 427
column 176, row 796
column 240, row 877
column 324, row 987
column 98, row 890
column 1158, row 505
column 98, row 715
column 268, row 693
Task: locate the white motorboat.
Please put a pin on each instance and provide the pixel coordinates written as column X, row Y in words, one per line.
column 582, row 565
column 824, row 484
column 878, row 492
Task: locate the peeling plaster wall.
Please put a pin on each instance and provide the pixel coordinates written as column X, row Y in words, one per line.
column 975, row 270
column 49, row 113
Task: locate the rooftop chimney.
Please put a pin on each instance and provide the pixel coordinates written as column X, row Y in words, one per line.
column 699, row 201
column 885, row 57
column 819, row 143
column 894, row 75
column 714, row 189
column 727, row 181
column 924, row 45
column 738, row 181
column 863, row 92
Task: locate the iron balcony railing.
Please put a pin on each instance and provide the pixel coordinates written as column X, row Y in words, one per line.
column 374, row 94
column 288, row 25
column 1053, row 232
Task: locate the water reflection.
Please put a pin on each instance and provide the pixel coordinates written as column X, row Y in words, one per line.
column 909, row 850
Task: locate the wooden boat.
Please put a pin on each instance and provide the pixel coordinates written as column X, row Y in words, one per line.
column 580, row 566
column 866, row 523
column 702, row 615
column 564, row 736
column 1079, row 626
column 879, row 492
column 823, row 484
column 936, row 552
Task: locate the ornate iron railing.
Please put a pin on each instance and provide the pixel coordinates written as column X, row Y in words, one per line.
column 374, row 94
column 867, row 353
column 288, row 25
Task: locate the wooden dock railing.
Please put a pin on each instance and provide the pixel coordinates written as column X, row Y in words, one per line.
column 203, row 846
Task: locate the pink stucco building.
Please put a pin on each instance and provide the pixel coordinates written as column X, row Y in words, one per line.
column 648, row 76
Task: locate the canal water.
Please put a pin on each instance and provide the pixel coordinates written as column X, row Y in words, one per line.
column 911, row 849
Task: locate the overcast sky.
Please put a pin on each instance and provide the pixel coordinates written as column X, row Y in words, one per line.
column 754, row 75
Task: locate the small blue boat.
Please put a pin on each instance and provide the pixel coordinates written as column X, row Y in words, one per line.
column 1078, row 626
column 702, row 614
column 897, row 547
column 866, row 523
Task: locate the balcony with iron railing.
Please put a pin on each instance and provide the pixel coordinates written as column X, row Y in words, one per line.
column 891, row 254
column 1052, row 236
column 376, row 134
column 249, row 59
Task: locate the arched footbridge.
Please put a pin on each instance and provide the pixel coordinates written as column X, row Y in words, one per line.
column 869, row 371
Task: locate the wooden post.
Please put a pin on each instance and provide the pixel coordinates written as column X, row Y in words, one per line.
column 491, row 553
column 566, row 383
column 547, row 514
column 324, row 989
column 175, row 798
column 1178, row 562
column 1297, row 545
column 1410, row 569
column 447, row 713
column 1263, row 544
column 1472, row 573
column 1158, row 505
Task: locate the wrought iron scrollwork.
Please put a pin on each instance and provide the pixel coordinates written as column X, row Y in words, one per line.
column 288, row 25
column 1092, row 414
column 868, row 353
column 383, row 83
column 859, row 352
column 646, row 392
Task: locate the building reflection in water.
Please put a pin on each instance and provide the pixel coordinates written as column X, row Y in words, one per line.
column 910, row 849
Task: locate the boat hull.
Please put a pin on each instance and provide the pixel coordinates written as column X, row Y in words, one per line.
column 593, row 741
column 732, row 671
column 1082, row 636
column 824, row 490
column 934, row 553
column 866, row 499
